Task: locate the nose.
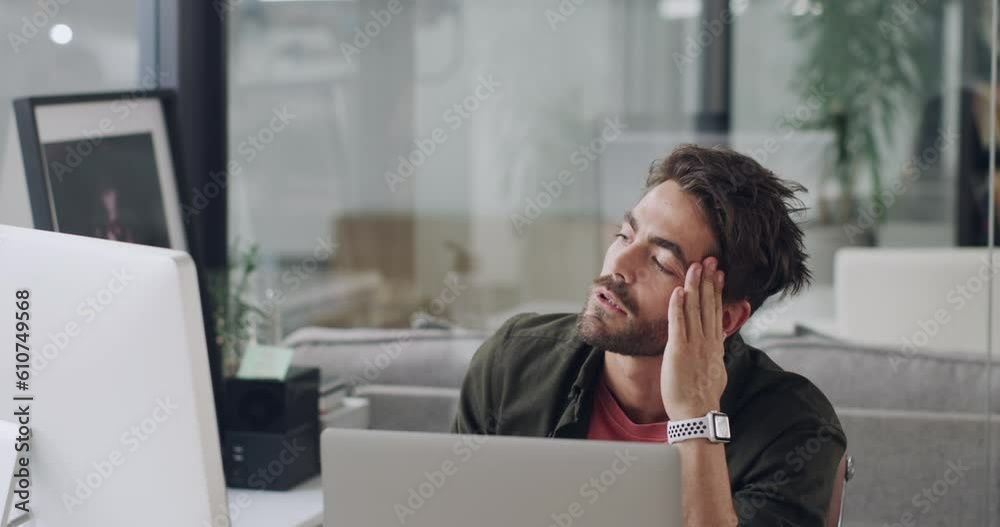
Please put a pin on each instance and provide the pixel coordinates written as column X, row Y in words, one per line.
column 626, row 264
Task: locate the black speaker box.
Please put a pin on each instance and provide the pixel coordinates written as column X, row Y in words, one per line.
column 271, row 437
column 260, row 405
column 270, row 461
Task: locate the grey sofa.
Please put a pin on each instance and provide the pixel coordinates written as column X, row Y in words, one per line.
column 912, row 425
column 913, row 422
column 411, row 378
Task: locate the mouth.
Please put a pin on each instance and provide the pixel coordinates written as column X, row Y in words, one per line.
column 608, row 300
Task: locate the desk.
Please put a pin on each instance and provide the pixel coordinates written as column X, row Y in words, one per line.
column 299, row 507
column 303, row 505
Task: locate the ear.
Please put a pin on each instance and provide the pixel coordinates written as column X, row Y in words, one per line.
column 734, row 315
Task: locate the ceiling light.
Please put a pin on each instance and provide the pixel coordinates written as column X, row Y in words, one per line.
column 61, row 34
column 679, row 9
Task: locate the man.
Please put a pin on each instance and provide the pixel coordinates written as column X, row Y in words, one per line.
column 657, row 341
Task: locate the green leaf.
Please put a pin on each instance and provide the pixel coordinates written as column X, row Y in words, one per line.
column 873, row 77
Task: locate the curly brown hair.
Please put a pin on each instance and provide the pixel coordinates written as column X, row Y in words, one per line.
column 750, row 210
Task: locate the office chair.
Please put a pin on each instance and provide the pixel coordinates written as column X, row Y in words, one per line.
column 845, row 471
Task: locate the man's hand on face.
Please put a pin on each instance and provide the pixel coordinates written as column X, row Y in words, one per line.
column 693, row 375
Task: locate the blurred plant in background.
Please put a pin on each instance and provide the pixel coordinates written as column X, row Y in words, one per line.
column 870, row 61
column 234, row 312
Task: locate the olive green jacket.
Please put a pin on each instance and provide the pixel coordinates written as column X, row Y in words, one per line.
column 536, row 377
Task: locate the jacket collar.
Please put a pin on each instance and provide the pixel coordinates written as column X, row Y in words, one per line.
column 575, row 418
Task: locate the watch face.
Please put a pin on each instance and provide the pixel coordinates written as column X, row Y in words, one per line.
column 721, row 426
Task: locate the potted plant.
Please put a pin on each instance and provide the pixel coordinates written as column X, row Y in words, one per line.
column 233, row 313
column 870, row 61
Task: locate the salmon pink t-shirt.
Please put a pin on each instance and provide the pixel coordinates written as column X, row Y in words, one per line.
column 608, row 421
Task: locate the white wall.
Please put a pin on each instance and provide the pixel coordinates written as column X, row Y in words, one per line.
column 103, row 56
column 14, row 204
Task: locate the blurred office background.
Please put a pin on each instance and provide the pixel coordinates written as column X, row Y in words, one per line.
column 452, row 162
column 780, row 79
column 486, row 209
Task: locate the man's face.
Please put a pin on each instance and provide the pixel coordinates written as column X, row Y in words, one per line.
column 110, row 200
column 626, row 311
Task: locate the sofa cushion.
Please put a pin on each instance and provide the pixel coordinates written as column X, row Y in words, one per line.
column 858, row 376
column 426, row 357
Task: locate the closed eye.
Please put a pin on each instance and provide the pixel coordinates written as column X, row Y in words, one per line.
column 660, row 266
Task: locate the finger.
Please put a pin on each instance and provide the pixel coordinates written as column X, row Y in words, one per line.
column 708, row 298
column 676, row 332
column 720, row 283
column 692, row 300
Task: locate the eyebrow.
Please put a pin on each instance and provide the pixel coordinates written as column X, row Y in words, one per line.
column 656, row 240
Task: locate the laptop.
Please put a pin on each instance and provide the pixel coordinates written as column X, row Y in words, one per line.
column 376, row 478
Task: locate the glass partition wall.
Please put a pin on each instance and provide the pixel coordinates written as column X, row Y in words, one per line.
column 461, row 156
column 449, row 163
column 885, row 111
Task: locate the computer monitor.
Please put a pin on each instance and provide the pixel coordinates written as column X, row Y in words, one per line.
column 379, row 478
column 102, row 165
column 117, row 396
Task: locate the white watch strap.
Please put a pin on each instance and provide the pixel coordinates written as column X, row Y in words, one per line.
column 697, row 428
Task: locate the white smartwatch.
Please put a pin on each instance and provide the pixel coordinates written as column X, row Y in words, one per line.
column 714, row 427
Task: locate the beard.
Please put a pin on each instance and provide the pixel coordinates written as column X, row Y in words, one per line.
column 617, row 333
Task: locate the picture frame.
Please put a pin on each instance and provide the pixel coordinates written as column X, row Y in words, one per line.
column 104, row 165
